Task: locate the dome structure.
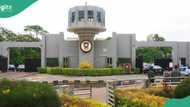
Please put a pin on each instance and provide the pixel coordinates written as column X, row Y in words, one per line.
column 86, row 19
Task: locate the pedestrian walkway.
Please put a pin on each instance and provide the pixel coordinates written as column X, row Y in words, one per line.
column 47, row 77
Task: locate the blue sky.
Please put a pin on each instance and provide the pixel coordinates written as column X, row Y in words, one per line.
column 169, row 18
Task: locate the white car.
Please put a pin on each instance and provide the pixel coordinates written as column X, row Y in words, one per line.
column 21, row 67
column 11, row 67
column 184, row 70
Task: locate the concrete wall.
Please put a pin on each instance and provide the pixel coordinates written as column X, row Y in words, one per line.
column 120, row 46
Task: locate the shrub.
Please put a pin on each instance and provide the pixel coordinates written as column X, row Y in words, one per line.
column 42, row 70
column 85, row 65
column 82, row 72
column 159, row 91
column 182, row 90
column 27, row 94
column 71, row 101
column 135, row 98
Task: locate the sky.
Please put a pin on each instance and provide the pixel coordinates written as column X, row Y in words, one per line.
column 168, row 18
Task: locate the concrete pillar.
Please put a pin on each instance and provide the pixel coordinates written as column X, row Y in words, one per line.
column 86, row 57
column 114, row 45
column 133, row 50
column 8, row 56
column 43, row 64
column 43, row 52
column 60, row 55
column 175, row 54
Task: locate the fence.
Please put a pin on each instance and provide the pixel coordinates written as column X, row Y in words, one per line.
column 137, row 83
column 76, row 88
column 110, row 97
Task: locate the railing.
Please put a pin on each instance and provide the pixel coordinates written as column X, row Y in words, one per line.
column 110, row 97
column 76, row 88
column 85, row 92
column 137, row 83
column 170, row 81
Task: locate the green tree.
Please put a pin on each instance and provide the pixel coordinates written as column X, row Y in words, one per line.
column 35, row 30
column 155, row 37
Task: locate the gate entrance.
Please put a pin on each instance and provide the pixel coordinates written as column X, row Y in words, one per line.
column 139, row 63
column 25, row 58
column 153, row 57
column 164, row 63
column 31, row 65
column 3, row 63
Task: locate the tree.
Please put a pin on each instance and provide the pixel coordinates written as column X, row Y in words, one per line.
column 35, row 30
column 155, row 37
column 6, row 35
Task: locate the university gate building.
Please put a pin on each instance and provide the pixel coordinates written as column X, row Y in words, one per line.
column 87, row 21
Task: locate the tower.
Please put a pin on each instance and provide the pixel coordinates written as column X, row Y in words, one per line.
column 86, row 21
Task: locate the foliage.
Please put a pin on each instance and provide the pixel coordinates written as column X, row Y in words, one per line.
column 159, row 91
column 155, row 37
column 72, row 101
column 85, row 65
column 18, row 55
column 27, row 94
column 82, row 72
column 36, row 29
column 137, row 98
column 182, row 90
column 151, row 53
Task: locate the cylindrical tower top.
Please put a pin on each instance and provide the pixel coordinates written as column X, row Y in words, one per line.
column 86, row 19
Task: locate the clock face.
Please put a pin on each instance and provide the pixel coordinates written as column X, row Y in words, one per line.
column 86, row 46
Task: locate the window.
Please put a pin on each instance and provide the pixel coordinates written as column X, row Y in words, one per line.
column 52, row 62
column 99, row 17
column 81, row 15
column 66, row 61
column 109, row 61
column 90, row 15
column 73, row 17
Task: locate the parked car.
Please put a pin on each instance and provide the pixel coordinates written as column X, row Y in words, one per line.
column 184, row 70
column 21, row 67
column 156, row 68
column 11, row 67
column 146, row 66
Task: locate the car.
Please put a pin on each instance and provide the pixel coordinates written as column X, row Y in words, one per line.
column 146, row 66
column 184, row 70
column 158, row 69
column 21, row 67
column 11, row 67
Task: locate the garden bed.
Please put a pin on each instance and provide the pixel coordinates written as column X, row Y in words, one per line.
column 73, row 101
column 151, row 97
column 84, row 72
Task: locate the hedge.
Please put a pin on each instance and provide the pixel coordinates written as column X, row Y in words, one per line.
column 183, row 89
column 137, row 98
column 73, row 101
column 27, row 94
column 82, row 72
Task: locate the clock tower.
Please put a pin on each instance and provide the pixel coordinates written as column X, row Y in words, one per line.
column 86, row 21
